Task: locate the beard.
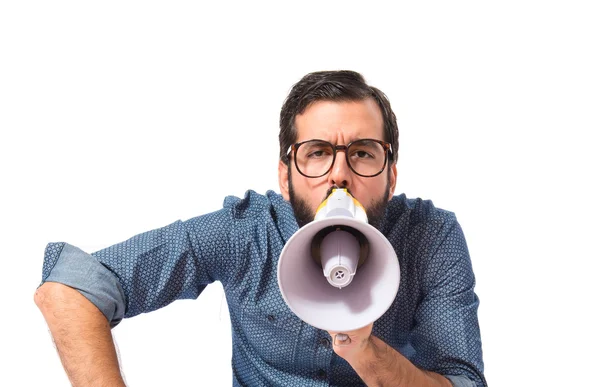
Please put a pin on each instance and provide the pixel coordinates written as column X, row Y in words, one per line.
column 304, row 214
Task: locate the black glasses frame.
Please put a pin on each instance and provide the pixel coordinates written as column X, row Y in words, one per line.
column 387, row 147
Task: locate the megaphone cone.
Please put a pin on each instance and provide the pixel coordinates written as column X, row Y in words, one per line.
column 338, row 273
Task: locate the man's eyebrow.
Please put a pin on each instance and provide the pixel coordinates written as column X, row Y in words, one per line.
column 364, row 141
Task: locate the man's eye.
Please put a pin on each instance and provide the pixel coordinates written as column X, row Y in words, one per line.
column 316, row 154
column 362, row 155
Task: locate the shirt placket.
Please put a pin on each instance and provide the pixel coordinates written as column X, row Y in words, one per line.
column 323, row 354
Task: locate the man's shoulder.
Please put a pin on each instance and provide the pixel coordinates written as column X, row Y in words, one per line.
column 416, row 211
column 253, row 203
column 255, row 208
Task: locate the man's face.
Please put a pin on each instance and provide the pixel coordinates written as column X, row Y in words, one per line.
column 339, row 123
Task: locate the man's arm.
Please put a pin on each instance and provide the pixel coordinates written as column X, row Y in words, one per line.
column 445, row 335
column 83, row 295
column 81, row 334
column 378, row 364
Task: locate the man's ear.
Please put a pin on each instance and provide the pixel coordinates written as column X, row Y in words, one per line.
column 283, row 180
column 392, row 176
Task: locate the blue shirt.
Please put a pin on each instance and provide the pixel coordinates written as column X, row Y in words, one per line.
column 433, row 320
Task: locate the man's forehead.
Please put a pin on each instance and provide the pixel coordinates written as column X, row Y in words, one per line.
column 349, row 119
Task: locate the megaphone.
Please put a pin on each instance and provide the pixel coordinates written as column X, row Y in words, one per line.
column 338, row 273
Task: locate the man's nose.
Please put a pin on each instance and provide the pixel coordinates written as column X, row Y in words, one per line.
column 340, row 174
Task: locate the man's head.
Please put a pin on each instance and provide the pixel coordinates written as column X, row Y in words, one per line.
column 340, row 108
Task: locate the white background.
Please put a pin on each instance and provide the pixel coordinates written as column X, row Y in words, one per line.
column 121, row 117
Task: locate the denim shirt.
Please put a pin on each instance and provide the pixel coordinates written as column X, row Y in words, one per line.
column 432, row 322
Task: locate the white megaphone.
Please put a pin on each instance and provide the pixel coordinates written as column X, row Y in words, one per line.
column 338, row 273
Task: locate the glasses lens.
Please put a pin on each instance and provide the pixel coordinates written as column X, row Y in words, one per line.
column 314, row 158
column 366, row 157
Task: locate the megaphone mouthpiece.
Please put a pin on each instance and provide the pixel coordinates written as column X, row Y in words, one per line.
column 341, row 203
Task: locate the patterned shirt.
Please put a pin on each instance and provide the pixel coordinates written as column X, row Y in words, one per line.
column 432, row 322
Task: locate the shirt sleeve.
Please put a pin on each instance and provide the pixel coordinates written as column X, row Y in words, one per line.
column 446, row 334
column 460, row 381
column 73, row 267
column 149, row 270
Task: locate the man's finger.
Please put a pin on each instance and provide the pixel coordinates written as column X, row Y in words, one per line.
column 341, row 339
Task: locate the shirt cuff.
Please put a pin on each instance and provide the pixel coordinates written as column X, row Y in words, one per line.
column 79, row 270
column 460, row 381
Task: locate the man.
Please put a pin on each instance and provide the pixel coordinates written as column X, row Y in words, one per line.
column 335, row 131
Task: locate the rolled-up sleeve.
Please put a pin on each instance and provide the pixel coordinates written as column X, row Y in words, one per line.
column 149, row 270
column 75, row 268
column 460, row 381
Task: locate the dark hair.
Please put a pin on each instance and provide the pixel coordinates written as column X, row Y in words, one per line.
column 342, row 85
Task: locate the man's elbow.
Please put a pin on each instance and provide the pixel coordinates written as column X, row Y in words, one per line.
column 53, row 294
column 41, row 296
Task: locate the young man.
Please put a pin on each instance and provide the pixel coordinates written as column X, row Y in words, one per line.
column 335, row 131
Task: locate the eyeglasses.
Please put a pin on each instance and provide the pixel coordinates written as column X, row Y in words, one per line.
column 365, row 157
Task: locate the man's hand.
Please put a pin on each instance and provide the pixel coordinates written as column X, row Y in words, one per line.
column 378, row 364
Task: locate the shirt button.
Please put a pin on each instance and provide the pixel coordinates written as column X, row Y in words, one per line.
column 271, row 318
column 324, row 342
column 321, row 374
